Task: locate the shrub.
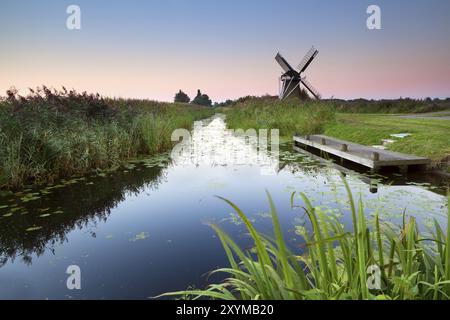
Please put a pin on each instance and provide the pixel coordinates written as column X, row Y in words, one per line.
column 182, row 97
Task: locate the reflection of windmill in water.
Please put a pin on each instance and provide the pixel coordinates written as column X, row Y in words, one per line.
column 292, row 79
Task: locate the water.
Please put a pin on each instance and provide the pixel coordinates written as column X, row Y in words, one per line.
column 143, row 230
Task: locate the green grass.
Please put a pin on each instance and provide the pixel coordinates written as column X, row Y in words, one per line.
column 50, row 135
column 430, row 137
column 413, row 264
column 290, row 116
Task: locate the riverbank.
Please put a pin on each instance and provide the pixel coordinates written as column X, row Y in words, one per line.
column 50, row 134
column 287, row 116
column 428, row 136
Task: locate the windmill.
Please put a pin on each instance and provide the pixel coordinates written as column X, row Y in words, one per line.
column 292, row 79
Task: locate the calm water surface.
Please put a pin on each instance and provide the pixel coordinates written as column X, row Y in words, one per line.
column 143, row 230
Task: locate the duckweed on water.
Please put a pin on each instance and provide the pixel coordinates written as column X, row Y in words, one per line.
column 140, row 236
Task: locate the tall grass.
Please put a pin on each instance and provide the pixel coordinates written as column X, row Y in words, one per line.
column 290, row 116
column 52, row 134
column 413, row 264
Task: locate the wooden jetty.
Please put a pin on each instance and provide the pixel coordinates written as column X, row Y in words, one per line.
column 369, row 157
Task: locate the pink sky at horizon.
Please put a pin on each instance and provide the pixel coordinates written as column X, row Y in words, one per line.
column 147, row 81
column 154, row 52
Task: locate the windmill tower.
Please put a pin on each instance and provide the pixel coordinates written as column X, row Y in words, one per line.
column 292, row 79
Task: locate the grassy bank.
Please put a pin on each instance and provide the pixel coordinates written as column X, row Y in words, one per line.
column 429, row 137
column 336, row 264
column 396, row 106
column 55, row 134
column 287, row 116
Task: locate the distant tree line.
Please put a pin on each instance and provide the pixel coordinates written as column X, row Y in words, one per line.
column 200, row 99
column 204, row 100
column 230, row 103
column 401, row 105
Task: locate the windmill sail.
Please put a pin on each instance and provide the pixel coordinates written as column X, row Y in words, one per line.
column 306, row 61
column 311, row 89
column 283, row 63
column 291, row 80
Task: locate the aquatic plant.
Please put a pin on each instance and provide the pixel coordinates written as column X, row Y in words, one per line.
column 412, row 264
column 290, row 116
column 52, row 134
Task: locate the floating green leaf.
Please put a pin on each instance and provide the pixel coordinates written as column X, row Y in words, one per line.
column 140, row 236
column 31, row 229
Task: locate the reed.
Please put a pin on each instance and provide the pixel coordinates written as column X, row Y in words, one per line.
column 290, row 117
column 413, row 264
column 52, row 134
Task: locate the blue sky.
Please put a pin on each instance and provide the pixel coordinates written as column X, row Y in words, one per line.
column 150, row 49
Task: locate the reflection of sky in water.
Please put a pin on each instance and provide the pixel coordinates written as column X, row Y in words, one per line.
column 215, row 145
column 153, row 237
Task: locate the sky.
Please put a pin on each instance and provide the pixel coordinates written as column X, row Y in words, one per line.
column 152, row 48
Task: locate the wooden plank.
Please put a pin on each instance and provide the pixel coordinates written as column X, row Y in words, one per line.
column 346, row 155
column 369, row 181
column 367, row 156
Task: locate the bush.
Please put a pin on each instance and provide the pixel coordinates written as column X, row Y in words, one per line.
column 202, row 100
column 182, row 97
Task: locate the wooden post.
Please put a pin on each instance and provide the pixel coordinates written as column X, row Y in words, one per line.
column 375, row 156
column 344, row 147
column 373, row 186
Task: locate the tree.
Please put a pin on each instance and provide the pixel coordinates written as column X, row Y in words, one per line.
column 182, row 97
column 202, row 99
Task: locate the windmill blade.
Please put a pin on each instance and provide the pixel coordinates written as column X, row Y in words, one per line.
column 306, row 61
column 283, row 63
column 311, row 89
